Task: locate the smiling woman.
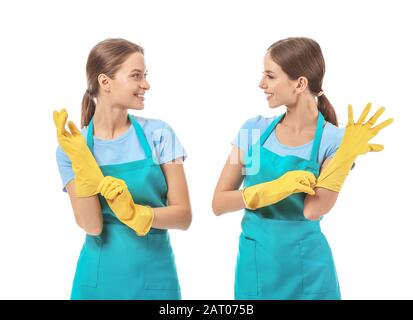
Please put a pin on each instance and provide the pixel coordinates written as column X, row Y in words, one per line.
column 293, row 166
column 125, row 180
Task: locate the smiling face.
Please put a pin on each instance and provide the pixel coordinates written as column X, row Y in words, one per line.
column 278, row 88
column 129, row 84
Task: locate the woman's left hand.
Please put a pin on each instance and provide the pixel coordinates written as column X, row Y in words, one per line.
column 357, row 135
column 355, row 142
column 138, row 217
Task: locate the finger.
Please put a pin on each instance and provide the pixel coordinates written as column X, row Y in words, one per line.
column 307, row 190
column 350, row 115
column 60, row 121
column 374, row 118
column 105, row 185
column 364, row 113
column 113, row 183
column 73, row 129
column 311, row 178
column 120, row 182
column 114, row 192
column 108, row 188
column 302, row 180
column 376, row 147
column 55, row 115
column 307, row 178
column 381, row 126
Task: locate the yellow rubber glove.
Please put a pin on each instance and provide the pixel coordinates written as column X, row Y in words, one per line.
column 267, row 193
column 87, row 172
column 119, row 199
column 355, row 142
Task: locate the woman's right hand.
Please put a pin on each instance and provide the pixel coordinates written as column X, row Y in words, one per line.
column 87, row 172
column 300, row 181
column 271, row 192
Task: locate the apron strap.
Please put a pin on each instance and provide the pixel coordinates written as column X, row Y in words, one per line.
column 317, row 138
column 270, row 128
column 89, row 139
column 141, row 137
column 138, row 130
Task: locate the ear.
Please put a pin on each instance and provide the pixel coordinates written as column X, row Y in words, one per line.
column 301, row 84
column 104, row 82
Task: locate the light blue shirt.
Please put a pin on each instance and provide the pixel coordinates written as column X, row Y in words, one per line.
column 247, row 136
column 163, row 141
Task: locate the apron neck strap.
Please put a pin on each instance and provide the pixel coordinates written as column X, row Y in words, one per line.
column 270, row 129
column 141, row 137
column 317, row 138
column 138, row 130
column 89, row 138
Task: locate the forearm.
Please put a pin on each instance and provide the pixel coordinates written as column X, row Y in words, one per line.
column 319, row 204
column 90, row 217
column 227, row 201
column 335, row 173
column 87, row 211
column 172, row 217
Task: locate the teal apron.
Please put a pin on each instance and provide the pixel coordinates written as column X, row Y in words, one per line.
column 118, row 264
column 282, row 255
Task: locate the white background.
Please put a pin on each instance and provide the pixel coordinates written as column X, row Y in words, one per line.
column 205, row 61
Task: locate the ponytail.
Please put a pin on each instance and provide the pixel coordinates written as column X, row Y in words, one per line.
column 327, row 110
column 88, row 109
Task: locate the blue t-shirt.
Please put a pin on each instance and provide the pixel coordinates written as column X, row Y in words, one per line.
column 163, row 141
column 251, row 131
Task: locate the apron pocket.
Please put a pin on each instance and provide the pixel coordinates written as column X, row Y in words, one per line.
column 160, row 269
column 89, row 260
column 318, row 271
column 246, row 275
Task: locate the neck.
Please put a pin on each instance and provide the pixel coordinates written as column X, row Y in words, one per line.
column 109, row 121
column 302, row 115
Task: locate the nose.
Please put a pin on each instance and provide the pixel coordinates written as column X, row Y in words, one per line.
column 262, row 84
column 145, row 84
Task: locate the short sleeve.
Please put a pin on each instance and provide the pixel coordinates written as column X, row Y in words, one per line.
column 249, row 133
column 167, row 145
column 335, row 144
column 65, row 167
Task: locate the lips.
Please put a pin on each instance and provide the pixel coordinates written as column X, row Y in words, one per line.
column 139, row 96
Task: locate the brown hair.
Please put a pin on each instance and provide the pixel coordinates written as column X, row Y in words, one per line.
column 299, row 57
column 106, row 57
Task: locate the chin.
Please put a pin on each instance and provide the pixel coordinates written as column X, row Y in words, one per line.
column 135, row 107
column 274, row 105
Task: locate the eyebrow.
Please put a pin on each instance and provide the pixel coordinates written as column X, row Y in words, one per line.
column 138, row 70
column 268, row 71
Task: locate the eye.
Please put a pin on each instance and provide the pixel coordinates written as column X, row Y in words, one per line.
column 138, row 76
column 268, row 75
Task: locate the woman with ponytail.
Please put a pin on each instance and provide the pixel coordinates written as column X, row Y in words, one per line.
column 125, row 180
column 282, row 252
